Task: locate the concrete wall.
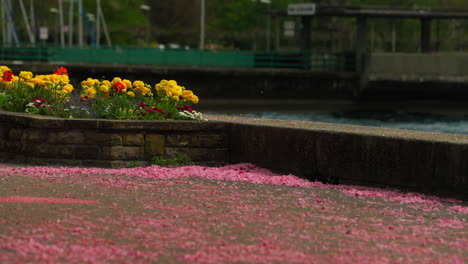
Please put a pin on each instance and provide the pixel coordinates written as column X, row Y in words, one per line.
column 450, row 67
column 417, row 161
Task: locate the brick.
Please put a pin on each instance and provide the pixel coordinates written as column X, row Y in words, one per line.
column 103, row 139
column 67, row 137
column 154, row 145
column 133, row 140
column 15, row 134
column 81, row 124
column 122, row 153
column 35, row 135
column 13, row 146
column 165, row 125
column 46, row 122
column 86, row 152
column 197, row 140
column 200, row 154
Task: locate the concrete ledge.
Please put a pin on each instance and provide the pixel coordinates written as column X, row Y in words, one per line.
column 431, row 163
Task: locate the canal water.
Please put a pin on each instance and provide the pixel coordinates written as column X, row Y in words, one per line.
column 427, row 116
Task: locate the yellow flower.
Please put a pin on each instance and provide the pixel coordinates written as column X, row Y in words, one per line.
column 90, row 92
column 186, row 94
column 172, row 83
column 88, row 82
column 138, row 84
column 104, row 88
column 193, row 99
column 116, row 80
column 177, row 90
column 106, row 83
column 26, row 75
column 131, row 94
column 4, row 68
column 175, row 97
column 68, row 88
column 127, row 83
column 61, row 79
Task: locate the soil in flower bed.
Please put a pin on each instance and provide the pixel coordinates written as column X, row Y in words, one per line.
column 231, row 214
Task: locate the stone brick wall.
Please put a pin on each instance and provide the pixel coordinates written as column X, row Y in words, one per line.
column 432, row 163
column 82, row 142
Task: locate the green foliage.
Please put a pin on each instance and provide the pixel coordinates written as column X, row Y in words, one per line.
column 179, row 160
column 134, row 164
column 242, row 24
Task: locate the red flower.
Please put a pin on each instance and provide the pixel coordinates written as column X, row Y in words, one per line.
column 61, row 71
column 150, row 110
column 186, row 108
column 160, row 110
column 7, row 76
column 119, row 87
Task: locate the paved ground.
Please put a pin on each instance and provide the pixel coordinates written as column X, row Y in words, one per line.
column 233, row 214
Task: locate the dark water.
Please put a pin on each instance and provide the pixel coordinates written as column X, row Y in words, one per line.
column 456, row 124
column 411, row 121
column 425, row 116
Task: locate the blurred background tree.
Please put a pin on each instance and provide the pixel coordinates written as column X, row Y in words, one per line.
column 245, row 24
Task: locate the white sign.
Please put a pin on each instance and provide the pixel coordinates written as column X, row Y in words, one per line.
column 301, row 9
column 43, row 33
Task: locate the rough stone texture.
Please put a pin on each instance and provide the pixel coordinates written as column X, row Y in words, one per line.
column 68, row 137
column 160, row 125
column 47, row 123
column 154, row 145
column 103, row 139
column 87, row 152
column 34, row 135
column 91, row 124
column 219, row 155
column 15, row 134
column 198, row 140
column 122, row 153
column 133, row 139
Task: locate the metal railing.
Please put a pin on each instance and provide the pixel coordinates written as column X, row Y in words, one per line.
column 314, row 61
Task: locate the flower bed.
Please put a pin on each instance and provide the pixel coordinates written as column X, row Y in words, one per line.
column 116, row 99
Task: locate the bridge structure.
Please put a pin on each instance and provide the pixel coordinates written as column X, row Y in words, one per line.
column 359, row 67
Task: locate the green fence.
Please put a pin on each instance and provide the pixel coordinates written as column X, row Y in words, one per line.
column 152, row 56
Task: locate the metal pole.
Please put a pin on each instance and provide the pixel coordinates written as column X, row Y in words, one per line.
column 12, row 32
column 104, row 27
column 32, row 40
column 202, row 25
column 62, row 33
column 3, row 22
column 393, row 36
column 33, row 18
column 268, row 37
column 71, row 16
column 80, row 23
column 98, row 23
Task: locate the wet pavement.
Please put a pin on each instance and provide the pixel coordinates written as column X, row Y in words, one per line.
column 232, row 214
